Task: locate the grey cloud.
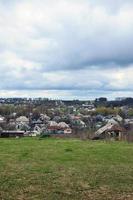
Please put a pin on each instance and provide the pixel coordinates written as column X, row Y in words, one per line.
column 70, row 45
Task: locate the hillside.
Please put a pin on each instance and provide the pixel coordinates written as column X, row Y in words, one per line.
column 65, row 169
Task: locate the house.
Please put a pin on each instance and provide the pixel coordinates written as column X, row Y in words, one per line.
column 112, row 121
column 37, row 130
column 44, row 117
column 118, row 118
column 2, row 120
column 52, row 125
column 22, row 119
column 22, row 123
column 64, row 128
column 128, row 124
column 58, row 128
column 78, row 123
column 110, row 131
column 57, row 119
column 90, row 107
column 22, row 126
column 63, row 125
column 68, row 131
column 128, row 121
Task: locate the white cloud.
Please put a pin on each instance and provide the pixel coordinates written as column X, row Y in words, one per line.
column 66, row 45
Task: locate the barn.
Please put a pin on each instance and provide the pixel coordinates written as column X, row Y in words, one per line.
column 7, row 134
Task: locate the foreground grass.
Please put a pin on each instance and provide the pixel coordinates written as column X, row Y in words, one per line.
column 55, row 169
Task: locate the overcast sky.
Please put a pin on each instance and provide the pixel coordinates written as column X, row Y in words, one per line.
column 66, row 49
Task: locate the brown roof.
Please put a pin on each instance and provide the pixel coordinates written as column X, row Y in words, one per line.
column 117, row 128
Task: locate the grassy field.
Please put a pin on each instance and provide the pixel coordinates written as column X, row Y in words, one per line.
column 65, row 169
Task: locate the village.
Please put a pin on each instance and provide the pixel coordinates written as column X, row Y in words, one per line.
column 46, row 118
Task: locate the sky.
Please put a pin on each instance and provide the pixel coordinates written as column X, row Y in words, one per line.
column 66, row 49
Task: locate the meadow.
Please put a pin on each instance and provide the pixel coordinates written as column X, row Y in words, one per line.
column 66, row 169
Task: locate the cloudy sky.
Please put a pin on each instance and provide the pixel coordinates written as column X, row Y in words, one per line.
column 66, row 48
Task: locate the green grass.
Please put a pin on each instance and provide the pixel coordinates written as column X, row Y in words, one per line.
column 65, row 169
